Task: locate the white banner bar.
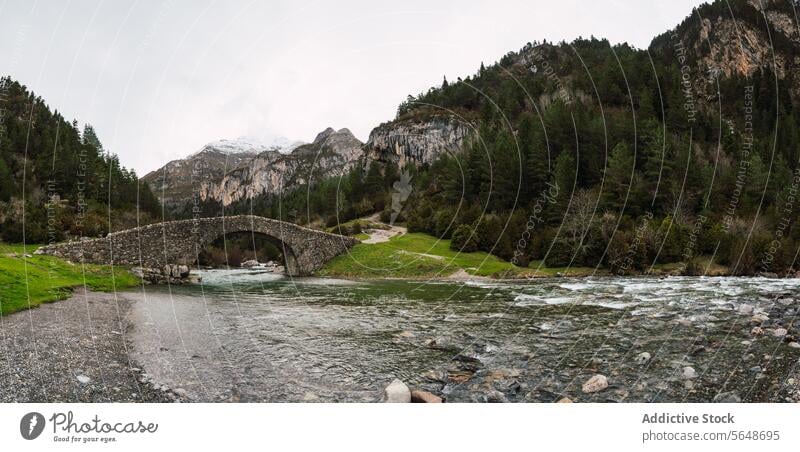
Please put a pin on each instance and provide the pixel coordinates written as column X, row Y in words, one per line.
column 389, row 427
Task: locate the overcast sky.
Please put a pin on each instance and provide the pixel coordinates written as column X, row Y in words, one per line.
column 160, row 79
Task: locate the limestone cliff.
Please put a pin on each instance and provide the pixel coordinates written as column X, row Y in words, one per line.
column 416, row 141
column 740, row 38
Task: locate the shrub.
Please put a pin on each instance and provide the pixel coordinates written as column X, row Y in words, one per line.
column 672, row 237
column 464, row 239
column 560, row 254
column 693, row 267
column 442, row 223
column 332, row 221
column 488, row 232
column 419, row 220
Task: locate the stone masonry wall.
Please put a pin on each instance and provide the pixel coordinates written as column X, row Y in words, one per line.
column 165, row 245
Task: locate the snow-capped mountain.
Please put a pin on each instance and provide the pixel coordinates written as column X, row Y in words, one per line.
column 249, row 145
column 332, row 153
column 181, row 180
column 229, row 170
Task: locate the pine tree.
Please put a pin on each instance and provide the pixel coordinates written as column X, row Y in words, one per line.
column 90, row 137
column 618, row 177
column 534, row 151
column 507, row 171
column 564, row 182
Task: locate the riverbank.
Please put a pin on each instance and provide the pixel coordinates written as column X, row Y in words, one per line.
column 73, row 351
column 28, row 280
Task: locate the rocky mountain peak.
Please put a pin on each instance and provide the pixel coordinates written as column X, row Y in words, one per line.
column 322, row 136
column 332, row 153
column 330, row 133
column 736, row 38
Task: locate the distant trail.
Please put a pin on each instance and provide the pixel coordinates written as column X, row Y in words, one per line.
column 382, row 235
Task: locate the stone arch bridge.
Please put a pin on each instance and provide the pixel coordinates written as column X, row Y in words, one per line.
column 177, row 243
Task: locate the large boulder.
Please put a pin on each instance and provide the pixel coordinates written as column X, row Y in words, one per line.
column 397, row 392
column 595, row 384
column 419, row 396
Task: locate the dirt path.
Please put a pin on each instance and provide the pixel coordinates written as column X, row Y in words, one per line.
column 72, row 351
column 382, row 235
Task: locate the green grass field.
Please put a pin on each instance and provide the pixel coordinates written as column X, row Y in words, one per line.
column 417, row 255
column 27, row 282
column 411, row 255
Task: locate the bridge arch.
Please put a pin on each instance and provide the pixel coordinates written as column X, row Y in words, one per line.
column 178, row 243
column 286, row 250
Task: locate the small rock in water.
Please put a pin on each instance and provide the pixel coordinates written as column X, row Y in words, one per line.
column 758, row 319
column 746, row 309
column 595, row 384
column 727, row 397
column 689, row 372
column 491, row 396
column 564, row 400
column 697, row 350
column 397, row 392
column 83, row 379
column 595, row 362
column 643, row 358
column 180, row 392
column 419, row 396
column 779, row 332
column 250, row 263
column 794, row 344
column 757, row 331
column 183, row 271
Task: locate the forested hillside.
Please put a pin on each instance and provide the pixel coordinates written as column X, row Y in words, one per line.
column 585, row 153
column 57, row 181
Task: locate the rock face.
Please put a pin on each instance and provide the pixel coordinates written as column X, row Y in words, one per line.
column 229, row 171
column 271, row 172
column 736, row 42
column 179, row 180
column 173, row 245
column 416, row 142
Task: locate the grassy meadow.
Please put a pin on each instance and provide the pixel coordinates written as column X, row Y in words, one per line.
column 27, row 282
column 418, row 255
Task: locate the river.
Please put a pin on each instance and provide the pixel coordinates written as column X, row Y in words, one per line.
column 255, row 336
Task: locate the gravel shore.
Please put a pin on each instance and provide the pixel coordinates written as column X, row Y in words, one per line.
column 72, row 351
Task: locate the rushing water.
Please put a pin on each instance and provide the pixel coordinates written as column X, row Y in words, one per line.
column 251, row 336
